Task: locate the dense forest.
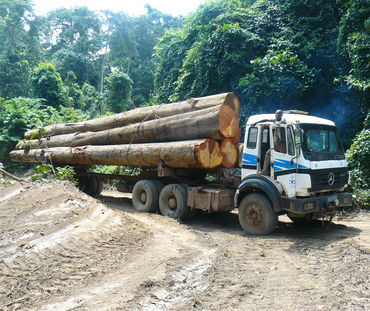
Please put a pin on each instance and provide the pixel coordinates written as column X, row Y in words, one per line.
column 75, row 64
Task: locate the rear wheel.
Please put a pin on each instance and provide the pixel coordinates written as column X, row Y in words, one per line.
column 90, row 185
column 145, row 196
column 256, row 215
column 99, row 187
column 173, row 202
column 158, row 184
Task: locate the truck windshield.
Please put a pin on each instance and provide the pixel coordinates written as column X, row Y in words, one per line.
column 321, row 142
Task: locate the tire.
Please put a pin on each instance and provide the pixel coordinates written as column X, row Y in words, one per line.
column 159, row 185
column 145, row 196
column 256, row 215
column 99, row 187
column 88, row 184
column 173, row 202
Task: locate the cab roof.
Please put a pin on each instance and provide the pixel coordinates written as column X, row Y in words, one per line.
column 291, row 118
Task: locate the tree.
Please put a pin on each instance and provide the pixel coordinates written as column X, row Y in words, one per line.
column 20, row 47
column 74, row 38
column 210, row 54
column 131, row 43
column 353, row 42
column 279, row 80
column 119, row 87
column 47, row 84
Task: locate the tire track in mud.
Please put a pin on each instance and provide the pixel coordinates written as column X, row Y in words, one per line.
column 184, row 275
column 64, row 266
column 67, row 251
column 147, row 269
column 295, row 269
column 72, row 251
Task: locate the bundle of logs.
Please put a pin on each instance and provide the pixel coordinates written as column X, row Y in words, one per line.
column 196, row 133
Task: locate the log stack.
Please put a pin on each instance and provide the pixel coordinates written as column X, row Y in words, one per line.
column 197, row 133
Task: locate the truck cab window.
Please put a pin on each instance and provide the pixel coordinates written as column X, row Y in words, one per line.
column 290, row 142
column 252, row 138
column 280, row 139
column 265, row 154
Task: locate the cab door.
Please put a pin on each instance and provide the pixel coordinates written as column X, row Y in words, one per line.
column 250, row 152
column 283, row 159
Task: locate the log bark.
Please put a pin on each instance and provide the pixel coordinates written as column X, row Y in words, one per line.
column 229, row 153
column 139, row 115
column 215, row 122
column 183, row 154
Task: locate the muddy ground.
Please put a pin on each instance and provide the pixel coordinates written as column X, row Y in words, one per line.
column 63, row 250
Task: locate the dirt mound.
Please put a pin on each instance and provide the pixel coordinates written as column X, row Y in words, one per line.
column 57, row 240
column 63, row 250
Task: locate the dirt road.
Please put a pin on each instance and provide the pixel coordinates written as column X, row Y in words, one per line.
column 63, row 250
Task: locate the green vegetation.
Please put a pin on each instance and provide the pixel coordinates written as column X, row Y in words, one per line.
column 117, row 170
column 47, row 173
column 20, row 114
column 359, row 163
column 75, row 64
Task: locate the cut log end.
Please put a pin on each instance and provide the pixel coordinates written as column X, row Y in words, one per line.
column 229, row 123
column 209, row 154
column 229, row 153
column 236, row 102
column 240, row 154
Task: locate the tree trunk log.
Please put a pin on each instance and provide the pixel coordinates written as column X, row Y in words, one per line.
column 139, row 115
column 183, row 154
column 229, row 153
column 215, row 122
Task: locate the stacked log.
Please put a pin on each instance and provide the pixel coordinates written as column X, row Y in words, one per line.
column 181, row 154
column 139, row 115
column 198, row 133
column 217, row 122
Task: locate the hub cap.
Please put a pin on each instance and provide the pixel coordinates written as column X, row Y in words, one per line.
column 254, row 215
column 143, row 197
column 172, row 203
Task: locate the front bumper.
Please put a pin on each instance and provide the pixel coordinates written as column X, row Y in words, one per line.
column 317, row 203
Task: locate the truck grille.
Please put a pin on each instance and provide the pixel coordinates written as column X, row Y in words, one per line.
column 327, row 179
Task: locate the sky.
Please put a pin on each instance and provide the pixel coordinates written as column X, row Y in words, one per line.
column 132, row 7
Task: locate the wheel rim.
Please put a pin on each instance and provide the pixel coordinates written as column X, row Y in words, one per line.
column 254, row 215
column 172, row 203
column 143, row 197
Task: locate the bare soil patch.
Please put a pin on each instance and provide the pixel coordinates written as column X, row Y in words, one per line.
column 63, row 250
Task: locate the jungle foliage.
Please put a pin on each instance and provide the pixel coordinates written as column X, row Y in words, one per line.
column 73, row 64
column 306, row 55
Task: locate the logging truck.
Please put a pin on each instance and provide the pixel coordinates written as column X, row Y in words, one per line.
column 289, row 163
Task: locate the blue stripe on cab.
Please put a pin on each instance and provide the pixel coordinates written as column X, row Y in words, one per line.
column 280, row 165
column 249, row 159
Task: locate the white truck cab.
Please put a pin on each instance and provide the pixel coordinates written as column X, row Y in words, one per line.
column 293, row 163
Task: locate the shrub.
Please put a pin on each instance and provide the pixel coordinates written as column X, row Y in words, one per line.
column 46, row 172
column 358, row 157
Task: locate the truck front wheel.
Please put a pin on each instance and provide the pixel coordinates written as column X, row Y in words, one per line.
column 256, row 215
